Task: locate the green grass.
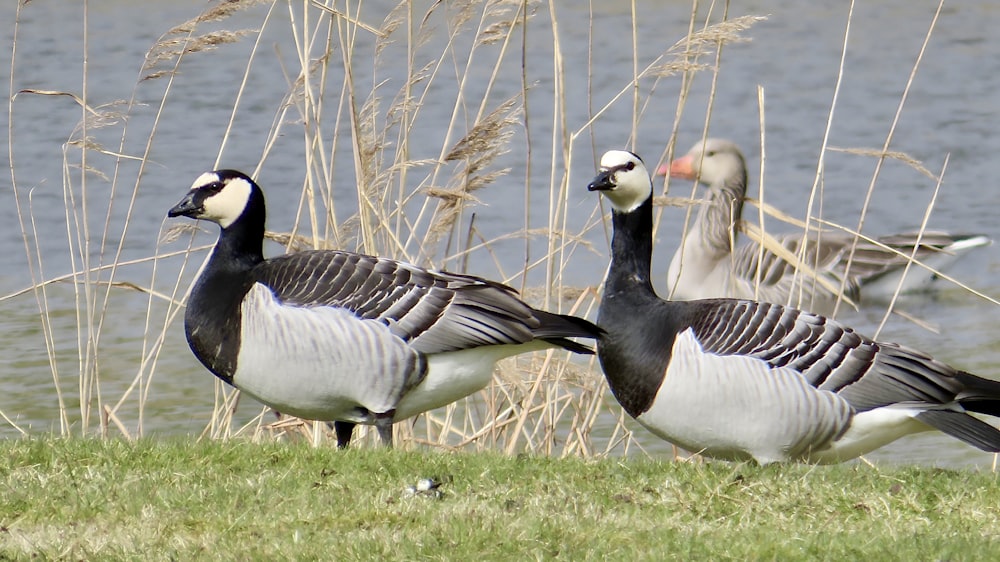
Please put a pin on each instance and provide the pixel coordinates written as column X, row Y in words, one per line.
column 179, row 499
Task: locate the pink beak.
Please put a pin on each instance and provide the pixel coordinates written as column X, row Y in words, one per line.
column 680, row 168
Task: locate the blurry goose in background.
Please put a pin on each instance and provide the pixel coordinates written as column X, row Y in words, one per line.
column 707, row 265
column 344, row 337
column 737, row 379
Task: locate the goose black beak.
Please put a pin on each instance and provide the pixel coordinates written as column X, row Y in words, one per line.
column 603, row 182
column 188, row 207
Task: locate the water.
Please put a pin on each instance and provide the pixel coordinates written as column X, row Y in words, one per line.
column 950, row 112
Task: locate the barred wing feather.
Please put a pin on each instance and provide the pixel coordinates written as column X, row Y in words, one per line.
column 433, row 311
column 831, row 357
column 823, row 252
column 828, row 253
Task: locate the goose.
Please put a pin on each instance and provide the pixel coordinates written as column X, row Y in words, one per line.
column 339, row 336
column 737, row 379
column 707, row 265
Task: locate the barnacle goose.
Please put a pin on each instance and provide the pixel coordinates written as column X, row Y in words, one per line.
column 707, row 265
column 738, row 379
column 345, row 337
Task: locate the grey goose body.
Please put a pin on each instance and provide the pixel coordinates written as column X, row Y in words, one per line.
column 710, row 264
column 738, row 379
column 344, row 337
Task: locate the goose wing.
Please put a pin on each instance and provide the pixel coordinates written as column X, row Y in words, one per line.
column 825, row 253
column 936, row 249
column 433, row 311
column 866, row 373
column 829, row 355
column 828, row 253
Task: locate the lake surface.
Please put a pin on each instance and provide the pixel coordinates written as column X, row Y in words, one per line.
column 952, row 112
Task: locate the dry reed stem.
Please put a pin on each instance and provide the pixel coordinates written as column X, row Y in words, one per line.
column 911, row 259
column 916, row 246
column 770, row 244
column 888, row 141
column 486, row 141
column 92, row 323
column 891, row 154
column 701, row 43
column 169, row 49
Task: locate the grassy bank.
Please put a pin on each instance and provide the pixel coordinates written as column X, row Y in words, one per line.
column 178, row 499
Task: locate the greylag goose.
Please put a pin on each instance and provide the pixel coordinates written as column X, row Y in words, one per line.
column 707, row 265
column 345, row 337
column 738, row 379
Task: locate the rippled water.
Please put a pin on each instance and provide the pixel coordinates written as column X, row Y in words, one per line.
column 951, row 111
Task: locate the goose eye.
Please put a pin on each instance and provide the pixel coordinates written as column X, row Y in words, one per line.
column 213, row 188
column 630, row 166
column 710, row 154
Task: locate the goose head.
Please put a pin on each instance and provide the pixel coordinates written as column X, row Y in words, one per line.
column 222, row 196
column 712, row 162
column 624, row 180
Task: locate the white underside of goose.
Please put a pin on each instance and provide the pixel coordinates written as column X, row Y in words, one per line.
column 342, row 362
column 320, row 362
column 738, row 407
column 869, row 431
column 457, row 374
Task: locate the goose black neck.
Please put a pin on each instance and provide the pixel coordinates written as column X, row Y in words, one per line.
column 212, row 319
column 635, row 350
column 631, row 250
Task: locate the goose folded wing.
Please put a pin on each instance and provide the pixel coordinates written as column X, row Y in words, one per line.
column 866, row 373
column 825, row 253
column 872, row 261
column 821, row 253
column 433, row 311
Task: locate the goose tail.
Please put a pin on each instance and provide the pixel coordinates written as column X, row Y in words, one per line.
column 557, row 328
column 964, row 427
column 979, row 395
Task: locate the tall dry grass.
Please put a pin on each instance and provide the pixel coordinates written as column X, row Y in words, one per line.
column 365, row 149
column 353, row 132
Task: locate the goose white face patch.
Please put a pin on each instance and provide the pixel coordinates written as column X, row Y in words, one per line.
column 633, row 186
column 228, row 204
column 205, row 179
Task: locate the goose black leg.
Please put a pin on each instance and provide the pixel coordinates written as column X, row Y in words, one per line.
column 344, row 430
column 383, row 424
